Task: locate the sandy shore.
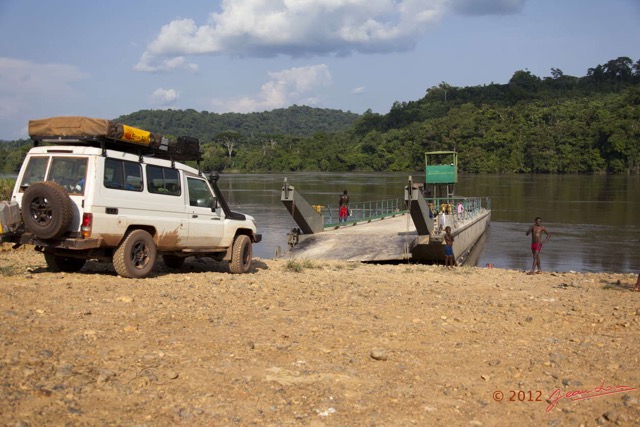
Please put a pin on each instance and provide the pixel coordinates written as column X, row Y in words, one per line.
column 316, row 343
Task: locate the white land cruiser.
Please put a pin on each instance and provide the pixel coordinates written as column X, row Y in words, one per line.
column 119, row 194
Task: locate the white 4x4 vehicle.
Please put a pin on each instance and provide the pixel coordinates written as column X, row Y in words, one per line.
column 119, row 194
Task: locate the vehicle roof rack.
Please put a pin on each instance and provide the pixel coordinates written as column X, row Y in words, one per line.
column 184, row 149
column 109, row 135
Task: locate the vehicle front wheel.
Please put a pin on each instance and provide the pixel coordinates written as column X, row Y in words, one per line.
column 58, row 263
column 241, row 255
column 136, row 255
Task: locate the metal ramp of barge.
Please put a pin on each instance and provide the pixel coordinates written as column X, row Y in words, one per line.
column 409, row 231
column 374, row 232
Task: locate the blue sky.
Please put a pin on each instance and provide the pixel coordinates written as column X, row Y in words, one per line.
column 109, row 58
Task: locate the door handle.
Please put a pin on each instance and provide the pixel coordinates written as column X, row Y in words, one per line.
column 194, row 216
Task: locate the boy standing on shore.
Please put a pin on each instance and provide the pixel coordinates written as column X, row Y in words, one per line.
column 449, row 261
column 536, row 231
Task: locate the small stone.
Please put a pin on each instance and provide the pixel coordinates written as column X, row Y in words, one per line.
column 45, row 353
column 105, row 375
column 65, row 370
column 378, row 355
column 629, row 401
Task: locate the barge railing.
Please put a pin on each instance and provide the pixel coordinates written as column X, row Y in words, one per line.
column 362, row 211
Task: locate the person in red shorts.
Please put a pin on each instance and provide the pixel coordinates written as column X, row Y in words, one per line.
column 536, row 231
column 343, row 212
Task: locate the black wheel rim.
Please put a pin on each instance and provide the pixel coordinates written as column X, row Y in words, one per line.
column 140, row 255
column 41, row 211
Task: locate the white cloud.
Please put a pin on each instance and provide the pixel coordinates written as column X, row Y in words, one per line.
column 296, row 28
column 150, row 64
column 164, row 97
column 266, row 28
column 358, row 90
column 298, row 85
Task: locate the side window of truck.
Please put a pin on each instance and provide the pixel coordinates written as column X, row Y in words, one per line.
column 162, row 180
column 34, row 172
column 199, row 193
column 122, row 175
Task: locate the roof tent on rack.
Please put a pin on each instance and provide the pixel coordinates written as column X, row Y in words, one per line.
column 107, row 134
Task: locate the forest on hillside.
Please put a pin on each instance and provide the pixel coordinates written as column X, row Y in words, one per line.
column 555, row 124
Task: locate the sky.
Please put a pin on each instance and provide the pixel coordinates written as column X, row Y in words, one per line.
column 109, row 58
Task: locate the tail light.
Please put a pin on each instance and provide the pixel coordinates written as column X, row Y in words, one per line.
column 87, row 223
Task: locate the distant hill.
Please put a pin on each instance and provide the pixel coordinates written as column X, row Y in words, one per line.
column 555, row 124
column 296, row 120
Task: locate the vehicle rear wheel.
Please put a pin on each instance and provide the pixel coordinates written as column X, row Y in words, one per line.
column 46, row 209
column 65, row 264
column 241, row 255
column 172, row 261
column 136, row 255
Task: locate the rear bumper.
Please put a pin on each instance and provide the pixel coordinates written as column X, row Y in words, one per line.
column 72, row 244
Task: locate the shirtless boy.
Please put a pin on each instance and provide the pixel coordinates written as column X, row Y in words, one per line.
column 449, row 259
column 536, row 231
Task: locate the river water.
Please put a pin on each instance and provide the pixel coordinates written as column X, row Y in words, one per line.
column 594, row 220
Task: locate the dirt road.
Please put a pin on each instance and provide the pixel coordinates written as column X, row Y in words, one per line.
column 313, row 344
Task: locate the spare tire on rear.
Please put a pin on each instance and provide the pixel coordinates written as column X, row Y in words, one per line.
column 46, row 209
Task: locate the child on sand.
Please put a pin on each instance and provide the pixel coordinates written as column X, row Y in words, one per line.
column 449, row 261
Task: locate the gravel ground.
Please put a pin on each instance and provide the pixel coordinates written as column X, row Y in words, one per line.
column 316, row 343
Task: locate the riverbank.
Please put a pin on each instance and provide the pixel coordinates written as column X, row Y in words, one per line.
column 316, row 343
